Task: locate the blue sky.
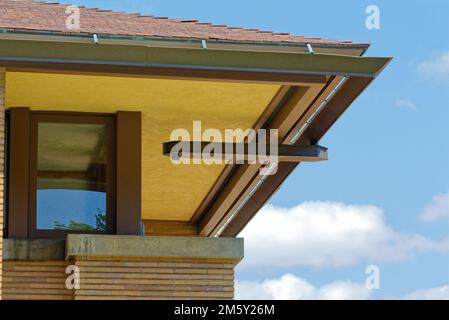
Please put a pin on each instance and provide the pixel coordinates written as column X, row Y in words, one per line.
column 389, row 151
column 84, row 206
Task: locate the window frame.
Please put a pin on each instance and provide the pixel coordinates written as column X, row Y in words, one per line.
column 109, row 120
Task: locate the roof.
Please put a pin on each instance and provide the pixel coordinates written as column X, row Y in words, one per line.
column 27, row 15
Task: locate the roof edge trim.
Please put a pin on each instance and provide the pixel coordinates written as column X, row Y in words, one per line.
column 145, row 57
column 22, row 34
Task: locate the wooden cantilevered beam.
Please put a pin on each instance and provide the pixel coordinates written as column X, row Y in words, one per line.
column 243, row 152
column 295, row 104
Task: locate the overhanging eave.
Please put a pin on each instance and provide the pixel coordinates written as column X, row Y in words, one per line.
column 308, row 80
column 126, row 60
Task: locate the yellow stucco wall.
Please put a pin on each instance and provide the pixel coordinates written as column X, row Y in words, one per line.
column 168, row 192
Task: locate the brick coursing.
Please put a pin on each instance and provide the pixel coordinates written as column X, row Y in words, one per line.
column 2, row 171
column 118, row 279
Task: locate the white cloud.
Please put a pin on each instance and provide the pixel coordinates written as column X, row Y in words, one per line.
column 405, row 103
column 436, row 67
column 291, row 287
column 439, row 293
column 437, row 209
column 327, row 234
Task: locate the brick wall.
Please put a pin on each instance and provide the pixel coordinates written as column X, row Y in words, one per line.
column 121, row 268
column 154, row 279
column 120, row 279
column 35, row 280
column 2, row 172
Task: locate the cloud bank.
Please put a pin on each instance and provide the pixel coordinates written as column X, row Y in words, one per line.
column 439, row 293
column 328, row 234
column 291, row 287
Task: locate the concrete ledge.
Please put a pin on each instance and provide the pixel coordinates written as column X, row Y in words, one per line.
column 157, row 247
column 33, row 249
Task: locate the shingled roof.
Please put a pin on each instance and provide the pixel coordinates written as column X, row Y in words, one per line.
column 27, row 15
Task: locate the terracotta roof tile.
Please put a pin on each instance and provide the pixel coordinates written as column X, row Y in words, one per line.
column 40, row 16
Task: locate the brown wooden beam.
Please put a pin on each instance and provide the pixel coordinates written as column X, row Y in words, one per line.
column 242, row 151
column 18, row 180
column 278, row 78
column 129, row 173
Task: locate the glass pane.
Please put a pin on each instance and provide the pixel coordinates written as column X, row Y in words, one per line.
column 71, row 177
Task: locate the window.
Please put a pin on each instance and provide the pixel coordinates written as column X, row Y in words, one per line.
column 71, row 174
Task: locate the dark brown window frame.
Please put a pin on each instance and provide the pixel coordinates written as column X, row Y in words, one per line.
column 126, row 194
column 110, row 122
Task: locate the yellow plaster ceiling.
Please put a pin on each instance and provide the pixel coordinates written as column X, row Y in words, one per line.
column 169, row 192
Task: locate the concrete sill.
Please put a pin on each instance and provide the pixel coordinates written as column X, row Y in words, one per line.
column 111, row 246
column 33, row 249
column 151, row 247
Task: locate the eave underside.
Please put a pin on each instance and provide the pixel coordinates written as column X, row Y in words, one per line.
column 315, row 90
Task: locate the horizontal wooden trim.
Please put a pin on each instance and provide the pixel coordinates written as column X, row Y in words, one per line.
column 165, row 73
column 244, row 152
column 190, row 59
column 169, row 228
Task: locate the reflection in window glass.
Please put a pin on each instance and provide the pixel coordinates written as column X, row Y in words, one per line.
column 71, row 177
